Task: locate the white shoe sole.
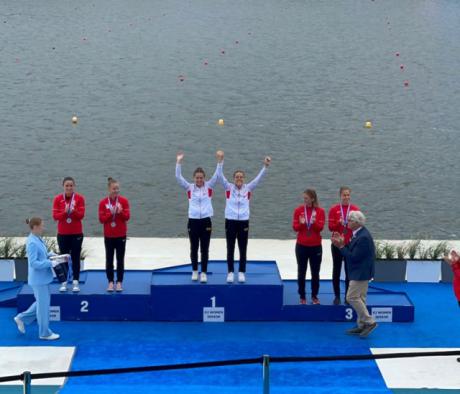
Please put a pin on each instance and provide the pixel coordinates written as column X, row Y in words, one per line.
column 52, row 337
column 20, row 324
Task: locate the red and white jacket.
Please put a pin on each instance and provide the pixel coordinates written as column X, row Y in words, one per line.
column 199, row 198
column 77, row 213
column 106, row 217
column 237, row 200
column 310, row 237
column 335, row 214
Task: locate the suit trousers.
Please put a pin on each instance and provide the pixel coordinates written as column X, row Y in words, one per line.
column 39, row 310
column 356, row 297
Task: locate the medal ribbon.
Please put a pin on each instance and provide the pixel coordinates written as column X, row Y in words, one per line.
column 113, row 208
column 70, row 205
column 308, row 222
column 345, row 218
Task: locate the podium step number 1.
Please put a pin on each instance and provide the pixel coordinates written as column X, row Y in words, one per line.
column 213, row 314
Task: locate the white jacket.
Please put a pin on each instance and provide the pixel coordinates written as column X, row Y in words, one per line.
column 199, row 198
column 237, row 200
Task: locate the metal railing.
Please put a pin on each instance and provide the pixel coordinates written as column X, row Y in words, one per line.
column 265, row 361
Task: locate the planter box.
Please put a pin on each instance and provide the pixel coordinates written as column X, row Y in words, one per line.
column 447, row 276
column 21, row 268
column 426, row 271
column 390, row 271
column 6, row 270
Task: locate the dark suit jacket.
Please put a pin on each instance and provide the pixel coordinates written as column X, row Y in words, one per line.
column 360, row 256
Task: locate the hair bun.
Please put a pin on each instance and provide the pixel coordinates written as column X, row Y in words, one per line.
column 109, row 179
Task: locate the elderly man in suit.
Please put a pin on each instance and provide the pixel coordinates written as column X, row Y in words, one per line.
column 359, row 257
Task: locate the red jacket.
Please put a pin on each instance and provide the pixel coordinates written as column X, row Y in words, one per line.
column 334, row 221
column 305, row 237
column 106, row 217
column 77, row 214
column 456, row 282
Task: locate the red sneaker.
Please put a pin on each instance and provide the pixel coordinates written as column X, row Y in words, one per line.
column 315, row 301
column 303, row 301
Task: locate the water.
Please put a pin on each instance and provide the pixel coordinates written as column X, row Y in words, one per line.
column 299, row 85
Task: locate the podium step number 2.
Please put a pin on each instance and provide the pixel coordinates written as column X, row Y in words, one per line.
column 213, row 314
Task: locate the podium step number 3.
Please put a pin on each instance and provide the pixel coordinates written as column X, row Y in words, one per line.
column 213, row 314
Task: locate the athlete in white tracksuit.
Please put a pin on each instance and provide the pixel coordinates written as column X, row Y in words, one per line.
column 238, row 196
column 200, row 211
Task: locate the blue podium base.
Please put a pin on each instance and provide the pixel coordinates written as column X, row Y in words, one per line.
column 168, row 294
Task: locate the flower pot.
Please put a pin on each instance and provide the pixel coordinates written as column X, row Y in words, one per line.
column 390, row 271
column 447, row 276
column 6, row 270
column 21, row 269
column 425, row 271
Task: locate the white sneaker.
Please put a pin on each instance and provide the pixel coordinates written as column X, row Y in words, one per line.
column 20, row 324
column 203, row 277
column 51, row 337
column 194, row 275
column 230, row 277
column 241, row 277
column 63, row 287
column 75, row 287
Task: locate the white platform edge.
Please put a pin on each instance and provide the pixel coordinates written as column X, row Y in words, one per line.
column 15, row 360
column 152, row 253
column 419, row 372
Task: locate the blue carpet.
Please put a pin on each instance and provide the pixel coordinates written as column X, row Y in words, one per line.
column 111, row 345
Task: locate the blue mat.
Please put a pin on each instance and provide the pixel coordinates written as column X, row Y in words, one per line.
column 107, row 345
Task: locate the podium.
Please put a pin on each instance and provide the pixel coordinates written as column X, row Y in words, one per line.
column 168, row 294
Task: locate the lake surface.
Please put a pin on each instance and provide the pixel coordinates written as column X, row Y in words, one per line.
column 293, row 79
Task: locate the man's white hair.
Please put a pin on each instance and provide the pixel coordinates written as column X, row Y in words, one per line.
column 358, row 217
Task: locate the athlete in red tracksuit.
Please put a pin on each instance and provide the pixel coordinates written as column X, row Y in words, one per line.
column 338, row 223
column 114, row 214
column 68, row 211
column 454, row 261
column 308, row 221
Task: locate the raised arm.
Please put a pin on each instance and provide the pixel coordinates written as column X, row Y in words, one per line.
column 253, row 184
column 219, row 171
column 180, row 179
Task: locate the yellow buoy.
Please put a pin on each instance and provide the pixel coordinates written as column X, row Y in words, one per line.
column 74, row 119
column 220, row 122
column 368, row 125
